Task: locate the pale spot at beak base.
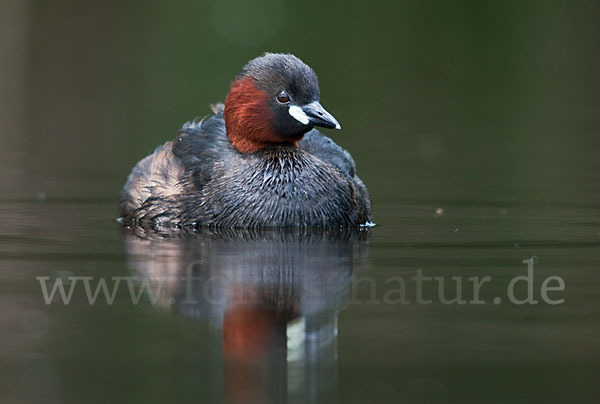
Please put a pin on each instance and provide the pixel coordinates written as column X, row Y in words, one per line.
column 298, row 114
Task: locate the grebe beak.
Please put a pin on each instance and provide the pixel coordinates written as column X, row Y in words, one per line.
column 319, row 116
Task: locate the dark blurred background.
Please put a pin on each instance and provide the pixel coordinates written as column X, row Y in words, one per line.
column 472, row 100
column 486, row 112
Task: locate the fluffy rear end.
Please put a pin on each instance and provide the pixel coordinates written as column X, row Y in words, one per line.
column 152, row 189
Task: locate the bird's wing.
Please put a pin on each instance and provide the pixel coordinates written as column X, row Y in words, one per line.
column 322, row 147
column 200, row 144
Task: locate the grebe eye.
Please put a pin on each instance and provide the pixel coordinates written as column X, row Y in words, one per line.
column 283, row 97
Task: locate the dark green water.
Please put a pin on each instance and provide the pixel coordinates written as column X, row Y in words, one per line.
column 475, row 125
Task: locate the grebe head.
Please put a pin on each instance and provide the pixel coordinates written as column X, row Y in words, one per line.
column 274, row 99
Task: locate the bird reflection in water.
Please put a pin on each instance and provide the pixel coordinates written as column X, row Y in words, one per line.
column 274, row 295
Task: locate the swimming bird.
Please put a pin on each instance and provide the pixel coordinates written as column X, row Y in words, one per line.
column 256, row 162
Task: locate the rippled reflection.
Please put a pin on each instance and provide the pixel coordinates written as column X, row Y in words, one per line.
column 274, row 296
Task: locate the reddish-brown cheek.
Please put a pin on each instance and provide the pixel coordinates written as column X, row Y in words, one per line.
column 248, row 118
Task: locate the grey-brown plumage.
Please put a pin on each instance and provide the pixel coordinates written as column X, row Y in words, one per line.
column 202, row 179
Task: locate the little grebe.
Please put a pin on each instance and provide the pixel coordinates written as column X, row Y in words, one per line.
column 257, row 162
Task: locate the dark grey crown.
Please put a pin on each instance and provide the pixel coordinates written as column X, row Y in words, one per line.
column 274, row 72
